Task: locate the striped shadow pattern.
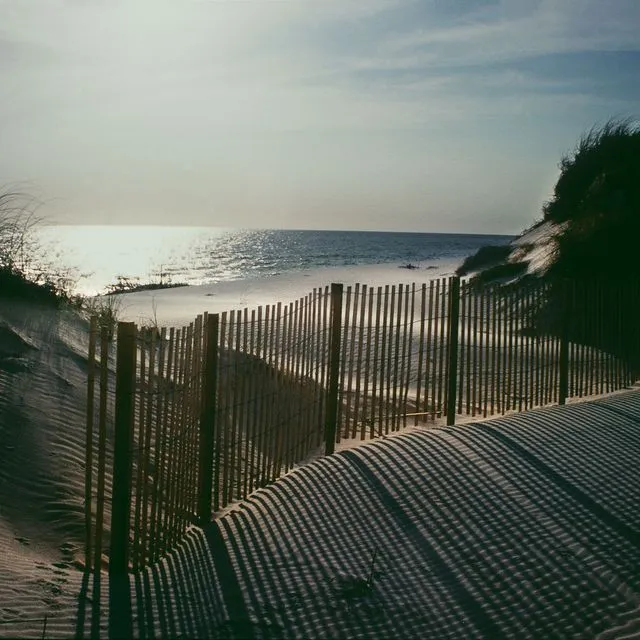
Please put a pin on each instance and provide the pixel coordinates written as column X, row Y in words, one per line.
column 524, row 526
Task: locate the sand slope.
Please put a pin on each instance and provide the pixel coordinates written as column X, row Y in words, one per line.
column 525, row 526
column 42, row 424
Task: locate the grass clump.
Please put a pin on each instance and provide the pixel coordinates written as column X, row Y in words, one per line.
column 131, row 285
column 484, row 257
column 501, row 273
column 24, row 273
column 107, row 309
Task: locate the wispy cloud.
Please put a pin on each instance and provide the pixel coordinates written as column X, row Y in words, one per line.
column 292, row 97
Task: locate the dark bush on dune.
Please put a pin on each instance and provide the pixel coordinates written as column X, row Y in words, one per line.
column 597, row 198
column 593, row 272
column 14, row 285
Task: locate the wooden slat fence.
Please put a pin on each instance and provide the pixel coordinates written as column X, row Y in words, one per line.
column 229, row 403
column 395, row 357
column 266, row 374
column 271, row 398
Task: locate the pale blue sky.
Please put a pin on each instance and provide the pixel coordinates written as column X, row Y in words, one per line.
column 438, row 115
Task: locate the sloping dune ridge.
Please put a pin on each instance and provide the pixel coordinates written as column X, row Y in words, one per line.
column 524, row 526
column 43, row 365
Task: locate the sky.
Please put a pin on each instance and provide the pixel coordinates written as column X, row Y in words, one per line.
column 430, row 115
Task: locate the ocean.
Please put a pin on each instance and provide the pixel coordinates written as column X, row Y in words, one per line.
column 204, row 255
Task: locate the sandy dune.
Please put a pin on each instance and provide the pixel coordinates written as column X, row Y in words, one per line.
column 42, row 424
column 526, row 526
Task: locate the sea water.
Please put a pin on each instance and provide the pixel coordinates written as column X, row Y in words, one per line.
column 204, row 255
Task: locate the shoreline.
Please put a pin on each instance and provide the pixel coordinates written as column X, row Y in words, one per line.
column 179, row 306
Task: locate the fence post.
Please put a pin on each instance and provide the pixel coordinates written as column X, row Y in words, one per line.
column 331, row 421
column 124, row 414
column 208, row 419
column 454, row 317
column 563, row 378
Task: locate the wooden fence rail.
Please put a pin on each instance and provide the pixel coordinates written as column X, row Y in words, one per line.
column 205, row 414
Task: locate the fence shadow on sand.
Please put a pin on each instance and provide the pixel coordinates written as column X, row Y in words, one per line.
column 495, row 529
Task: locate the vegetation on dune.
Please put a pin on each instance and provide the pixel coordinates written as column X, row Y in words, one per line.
column 597, row 201
column 595, row 208
column 504, row 272
column 595, row 213
column 597, row 198
column 484, row 257
column 24, row 272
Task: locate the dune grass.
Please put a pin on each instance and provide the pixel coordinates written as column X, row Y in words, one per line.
column 484, row 257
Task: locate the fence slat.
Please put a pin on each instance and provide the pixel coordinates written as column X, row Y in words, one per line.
column 353, row 324
column 367, row 408
column 256, row 391
column 250, row 419
column 409, row 312
column 423, row 303
column 317, row 358
column 208, row 421
column 334, row 369
column 377, row 372
column 121, row 493
column 493, row 314
column 301, row 421
column 452, row 330
column 172, row 441
column 524, row 350
column 102, row 449
column 396, row 360
column 383, row 413
column 227, row 420
column 138, row 437
column 563, row 386
column 167, row 417
column 443, row 355
column 289, row 407
column 265, row 452
column 470, row 346
column 149, row 430
column 274, row 430
column 183, row 435
column 356, row 415
column 431, row 358
column 486, row 328
column 156, row 495
column 476, row 356
column 462, row 345
column 480, row 339
column 404, row 363
column 88, row 459
column 390, row 407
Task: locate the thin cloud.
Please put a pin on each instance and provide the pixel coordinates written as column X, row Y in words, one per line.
column 267, row 111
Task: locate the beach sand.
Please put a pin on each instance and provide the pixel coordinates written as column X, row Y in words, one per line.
column 43, row 367
column 445, row 492
column 178, row 307
column 43, row 377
